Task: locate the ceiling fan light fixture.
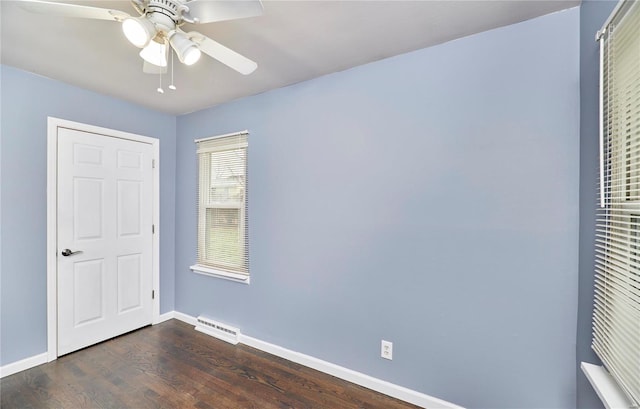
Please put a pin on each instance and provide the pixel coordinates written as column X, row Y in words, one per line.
column 155, row 53
column 139, row 31
column 187, row 51
column 191, row 55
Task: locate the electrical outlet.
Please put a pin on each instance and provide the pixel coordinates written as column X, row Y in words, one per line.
column 386, row 350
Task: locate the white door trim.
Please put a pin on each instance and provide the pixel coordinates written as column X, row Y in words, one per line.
column 52, row 229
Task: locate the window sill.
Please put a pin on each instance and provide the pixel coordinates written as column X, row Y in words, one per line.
column 225, row 275
column 605, row 386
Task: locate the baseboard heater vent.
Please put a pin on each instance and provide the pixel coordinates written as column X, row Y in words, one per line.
column 218, row 330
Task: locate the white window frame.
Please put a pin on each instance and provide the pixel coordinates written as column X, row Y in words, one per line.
column 241, row 206
column 616, row 317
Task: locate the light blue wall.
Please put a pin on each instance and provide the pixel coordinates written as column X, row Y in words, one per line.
column 27, row 100
column 429, row 199
column 593, row 14
column 453, row 232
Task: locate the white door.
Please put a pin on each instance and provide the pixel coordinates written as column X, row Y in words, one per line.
column 104, row 216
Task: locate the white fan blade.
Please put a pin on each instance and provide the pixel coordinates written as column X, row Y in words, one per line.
column 149, row 68
column 223, row 54
column 207, row 11
column 72, row 10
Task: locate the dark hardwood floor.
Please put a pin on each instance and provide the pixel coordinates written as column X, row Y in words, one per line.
column 171, row 365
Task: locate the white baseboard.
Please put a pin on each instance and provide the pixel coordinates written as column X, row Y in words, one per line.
column 185, row 318
column 24, row 364
column 378, row 385
column 165, row 317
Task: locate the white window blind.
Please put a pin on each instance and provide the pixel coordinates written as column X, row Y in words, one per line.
column 223, row 241
column 616, row 319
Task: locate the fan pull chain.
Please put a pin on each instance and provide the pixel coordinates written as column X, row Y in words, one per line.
column 160, row 90
column 171, row 86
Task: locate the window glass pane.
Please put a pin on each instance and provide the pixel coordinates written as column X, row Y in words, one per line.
column 224, row 238
column 227, row 176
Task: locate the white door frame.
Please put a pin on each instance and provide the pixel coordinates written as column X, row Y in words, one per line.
column 52, row 213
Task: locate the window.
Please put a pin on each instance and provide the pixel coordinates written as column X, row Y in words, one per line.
column 616, row 318
column 223, row 243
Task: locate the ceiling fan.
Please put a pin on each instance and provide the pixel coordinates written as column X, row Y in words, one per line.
column 158, row 28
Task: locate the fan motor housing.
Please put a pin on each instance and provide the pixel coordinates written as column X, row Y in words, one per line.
column 167, row 13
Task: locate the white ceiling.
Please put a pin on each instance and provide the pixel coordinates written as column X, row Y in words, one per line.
column 292, row 41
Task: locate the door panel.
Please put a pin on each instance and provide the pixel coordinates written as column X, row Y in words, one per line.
column 105, row 212
column 87, row 204
column 87, row 155
column 129, row 198
column 131, row 160
column 129, row 283
column 88, row 291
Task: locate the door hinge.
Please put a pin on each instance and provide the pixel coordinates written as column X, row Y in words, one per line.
column 153, row 229
column 153, row 294
column 153, row 163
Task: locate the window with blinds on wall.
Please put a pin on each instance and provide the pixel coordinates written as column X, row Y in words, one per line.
column 616, row 318
column 223, row 242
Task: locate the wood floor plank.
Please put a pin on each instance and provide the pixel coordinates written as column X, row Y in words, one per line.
column 172, row 366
